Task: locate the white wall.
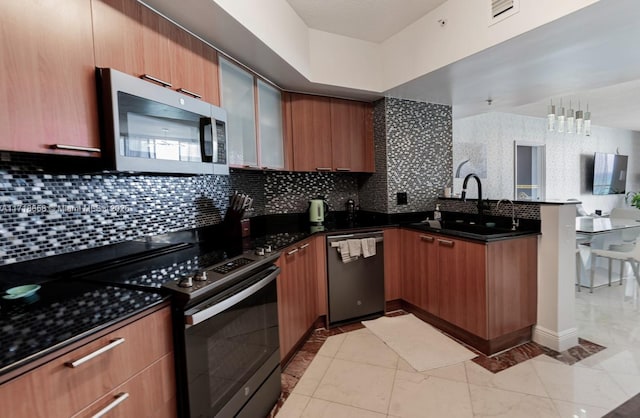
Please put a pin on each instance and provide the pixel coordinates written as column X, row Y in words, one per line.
column 417, row 50
column 566, row 156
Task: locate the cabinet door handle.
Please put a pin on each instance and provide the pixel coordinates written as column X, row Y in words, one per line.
column 342, row 169
column 119, row 398
column 323, row 169
column 445, row 243
column 302, row 247
column 295, row 250
column 426, row 238
column 190, row 93
column 80, row 361
column 155, row 79
column 75, row 148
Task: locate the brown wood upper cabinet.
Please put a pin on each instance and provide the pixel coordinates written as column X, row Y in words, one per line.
column 330, row 134
column 351, row 136
column 134, row 39
column 47, row 82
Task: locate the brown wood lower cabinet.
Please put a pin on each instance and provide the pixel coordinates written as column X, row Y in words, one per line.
column 482, row 293
column 142, row 348
column 297, row 294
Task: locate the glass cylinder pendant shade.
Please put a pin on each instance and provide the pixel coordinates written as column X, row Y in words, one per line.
column 551, row 118
column 579, row 122
column 587, row 123
column 570, row 120
column 561, row 119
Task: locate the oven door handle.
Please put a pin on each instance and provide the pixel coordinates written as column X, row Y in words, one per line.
column 194, row 318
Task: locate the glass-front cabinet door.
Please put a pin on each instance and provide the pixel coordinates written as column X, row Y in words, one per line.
column 238, row 99
column 270, row 127
column 254, row 119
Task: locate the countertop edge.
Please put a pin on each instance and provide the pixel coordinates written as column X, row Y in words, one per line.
column 34, row 361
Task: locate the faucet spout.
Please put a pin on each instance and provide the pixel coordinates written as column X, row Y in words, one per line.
column 514, row 223
column 464, row 191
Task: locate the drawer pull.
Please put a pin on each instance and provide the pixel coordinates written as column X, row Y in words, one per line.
column 445, row 243
column 119, row 398
column 190, row 93
column 75, row 148
column 302, row 247
column 80, row 361
column 342, row 169
column 426, row 238
column 155, row 79
column 323, row 169
column 295, row 250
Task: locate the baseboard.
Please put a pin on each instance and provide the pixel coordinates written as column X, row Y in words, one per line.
column 393, row 305
column 558, row 341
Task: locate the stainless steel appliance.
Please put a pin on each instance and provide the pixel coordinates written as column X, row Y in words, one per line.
column 225, row 316
column 150, row 128
column 356, row 288
column 230, row 366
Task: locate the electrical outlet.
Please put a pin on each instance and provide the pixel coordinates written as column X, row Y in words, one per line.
column 401, row 198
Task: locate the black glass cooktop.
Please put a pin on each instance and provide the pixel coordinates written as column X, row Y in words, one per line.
column 60, row 313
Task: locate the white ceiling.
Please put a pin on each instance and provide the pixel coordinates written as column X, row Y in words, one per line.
column 590, row 55
column 369, row 20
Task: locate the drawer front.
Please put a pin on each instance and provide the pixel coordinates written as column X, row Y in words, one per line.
column 61, row 390
column 150, row 393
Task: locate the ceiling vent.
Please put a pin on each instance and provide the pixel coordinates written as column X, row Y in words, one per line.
column 502, row 9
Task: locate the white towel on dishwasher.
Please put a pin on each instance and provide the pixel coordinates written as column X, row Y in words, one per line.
column 343, row 249
column 368, row 247
column 355, row 247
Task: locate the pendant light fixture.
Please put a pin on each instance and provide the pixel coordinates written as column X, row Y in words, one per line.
column 587, row 122
column 579, row 120
column 570, row 118
column 560, row 118
column 551, row 117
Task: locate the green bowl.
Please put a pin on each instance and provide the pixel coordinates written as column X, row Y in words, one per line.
column 21, row 291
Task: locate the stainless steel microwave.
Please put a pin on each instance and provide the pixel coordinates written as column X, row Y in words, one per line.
column 150, row 128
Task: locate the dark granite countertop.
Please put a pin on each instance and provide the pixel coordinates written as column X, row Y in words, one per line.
column 61, row 313
column 77, row 300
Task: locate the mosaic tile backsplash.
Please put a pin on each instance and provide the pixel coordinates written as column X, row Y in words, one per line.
column 413, row 146
column 47, row 210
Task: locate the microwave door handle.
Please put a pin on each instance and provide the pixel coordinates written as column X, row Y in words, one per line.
column 207, row 142
column 201, row 316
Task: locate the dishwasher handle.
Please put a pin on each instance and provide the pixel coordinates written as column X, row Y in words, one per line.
column 357, row 235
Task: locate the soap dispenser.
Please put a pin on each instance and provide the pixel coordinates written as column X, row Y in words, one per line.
column 436, row 213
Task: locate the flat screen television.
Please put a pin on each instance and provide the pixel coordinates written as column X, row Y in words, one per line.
column 609, row 173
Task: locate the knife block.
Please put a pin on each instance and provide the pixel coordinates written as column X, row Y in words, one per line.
column 235, row 225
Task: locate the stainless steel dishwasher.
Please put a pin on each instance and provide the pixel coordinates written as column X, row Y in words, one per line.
column 356, row 288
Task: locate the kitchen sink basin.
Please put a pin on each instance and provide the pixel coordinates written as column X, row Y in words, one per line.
column 471, row 230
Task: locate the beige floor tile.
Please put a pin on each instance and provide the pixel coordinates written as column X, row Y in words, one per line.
column 404, row 365
column 519, row 378
column 357, row 384
column 579, row 385
column 318, row 408
column 630, row 383
column 618, row 360
column 312, row 376
column 456, row 372
column 431, row 397
column 497, row 403
column 571, row 410
column 293, row 406
column 331, row 345
column 367, row 348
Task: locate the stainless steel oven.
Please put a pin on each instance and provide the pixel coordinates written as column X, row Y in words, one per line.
column 230, row 364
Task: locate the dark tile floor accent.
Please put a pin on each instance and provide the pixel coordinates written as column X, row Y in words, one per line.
column 529, row 350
